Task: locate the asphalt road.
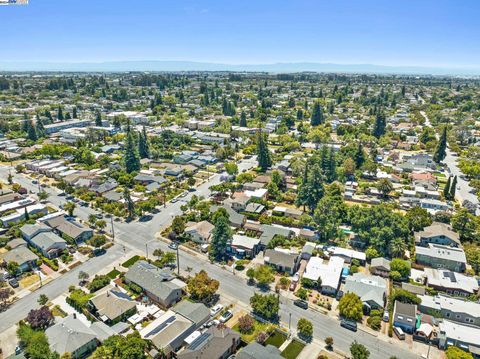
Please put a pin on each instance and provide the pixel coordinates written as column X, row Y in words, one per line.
column 141, row 236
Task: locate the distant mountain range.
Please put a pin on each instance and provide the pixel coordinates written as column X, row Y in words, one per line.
column 121, row 66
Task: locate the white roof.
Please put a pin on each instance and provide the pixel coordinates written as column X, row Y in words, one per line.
column 339, row 251
column 442, row 252
column 330, row 272
column 258, row 193
column 244, row 241
column 460, row 332
column 451, row 280
column 451, row 304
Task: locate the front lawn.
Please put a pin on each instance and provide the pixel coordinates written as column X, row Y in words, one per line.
column 293, row 349
column 113, row 274
column 130, row 262
column 276, row 339
column 258, row 327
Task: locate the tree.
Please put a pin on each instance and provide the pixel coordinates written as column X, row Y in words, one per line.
column 404, row 296
column 221, row 235
column 453, row 352
column 178, row 225
column 380, row 125
column 245, row 324
column 453, row 189
column 317, row 115
column 101, row 224
column 418, row 218
column 231, row 168
column 351, row 307
column 40, row 318
column 263, row 153
column 12, row 268
column 359, row 351
column 264, row 275
column 329, row 343
column 42, row 195
column 43, row 299
column 267, row 306
column 70, row 208
column 463, row 222
column 305, row 328
column 119, row 347
column 446, row 189
column 98, row 119
column 60, row 113
column 129, row 203
column 201, row 287
column 74, row 112
column 250, row 274
column 132, row 159
column 32, row 132
column 92, row 219
column 384, row 186
column 83, row 276
column 440, row 150
column 401, row 266
column 143, row 145
column 243, row 119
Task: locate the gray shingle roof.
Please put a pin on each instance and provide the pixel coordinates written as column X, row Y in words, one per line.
column 69, row 335
column 196, row 312
column 258, row 351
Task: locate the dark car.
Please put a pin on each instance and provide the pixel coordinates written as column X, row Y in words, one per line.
column 349, row 324
column 146, row 218
column 13, row 283
column 301, row 303
column 99, row 251
column 339, row 295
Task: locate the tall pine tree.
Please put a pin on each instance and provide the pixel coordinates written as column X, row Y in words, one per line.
column 446, row 189
column 453, row 188
column 221, row 235
column 143, row 146
column 264, row 159
column 440, row 150
column 243, row 119
column 132, row 159
column 380, row 125
column 317, row 115
column 98, row 119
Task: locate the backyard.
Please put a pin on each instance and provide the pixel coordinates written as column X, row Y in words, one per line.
column 293, row 349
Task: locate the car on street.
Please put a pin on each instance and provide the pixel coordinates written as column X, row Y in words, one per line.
column 13, row 283
column 216, row 309
column 225, row 317
column 296, row 277
column 173, row 245
column 99, row 252
column 184, row 194
column 174, row 200
column 348, row 324
column 145, row 218
column 301, row 303
column 386, row 316
column 34, row 182
column 99, row 216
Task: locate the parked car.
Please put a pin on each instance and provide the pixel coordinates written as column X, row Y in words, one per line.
column 184, row 194
column 216, row 309
column 213, row 322
column 399, row 333
column 13, row 283
column 99, row 215
column 293, row 285
column 225, row 317
column 349, row 324
column 173, row 245
column 99, row 251
column 296, row 277
column 339, row 295
column 386, row 316
column 301, row 303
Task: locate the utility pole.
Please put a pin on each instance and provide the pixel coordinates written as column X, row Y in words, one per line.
column 289, row 321
column 40, row 277
column 178, row 261
column 146, row 251
column 113, row 230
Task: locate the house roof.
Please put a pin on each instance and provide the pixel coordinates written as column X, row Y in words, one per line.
column 330, row 272
column 211, row 344
column 70, row 228
column 45, row 240
column 203, row 228
column 444, row 278
column 20, row 255
column 404, row 309
column 112, row 304
column 196, row 312
column 30, row 230
column 68, row 335
column 438, row 229
column 157, row 281
column 270, row 231
column 442, row 252
column 454, row 305
column 380, row 262
column 258, row 351
column 462, row 333
column 280, row 258
column 244, row 241
column 367, row 287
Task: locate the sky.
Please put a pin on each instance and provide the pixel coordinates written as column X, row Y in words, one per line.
column 438, row 33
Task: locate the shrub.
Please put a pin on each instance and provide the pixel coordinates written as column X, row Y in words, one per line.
column 98, row 282
column 245, row 324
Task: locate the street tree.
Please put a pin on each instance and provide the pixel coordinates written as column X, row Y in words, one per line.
column 350, row 307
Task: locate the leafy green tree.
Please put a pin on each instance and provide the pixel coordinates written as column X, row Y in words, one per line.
column 263, row 153
column 132, row 159
column 351, row 307
column 404, row 296
column 464, row 223
column 43, row 299
column 317, row 114
column 418, row 218
column 330, row 213
column 201, row 287
column 221, row 235
column 42, row 195
column 264, row 275
column 60, row 114
column 98, row 119
column 359, row 351
column 401, row 266
column 266, row 306
column 446, row 189
column 384, row 186
column 454, row 352
column 453, row 188
column 243, row 119
column 129, row 203
column 305, row 328
column 119, row 347
column 440, row 150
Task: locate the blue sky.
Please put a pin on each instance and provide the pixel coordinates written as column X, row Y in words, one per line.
column 387, row 32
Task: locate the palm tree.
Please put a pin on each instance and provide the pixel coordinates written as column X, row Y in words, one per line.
column 397, row 247
column 70, row 208
column 385, row 187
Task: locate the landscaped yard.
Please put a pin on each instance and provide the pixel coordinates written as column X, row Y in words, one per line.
column 257, row 328
column 276, row 339
column 293, row 349
column 28, row 281
column 130, row 262
column 113, row 274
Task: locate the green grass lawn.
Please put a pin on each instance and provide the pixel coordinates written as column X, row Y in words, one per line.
column 113, row 274
column 293, row 349
column 276, row 339
column 130, row 262
column 257, row 328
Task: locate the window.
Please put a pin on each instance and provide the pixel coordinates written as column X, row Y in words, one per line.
column 447, row 315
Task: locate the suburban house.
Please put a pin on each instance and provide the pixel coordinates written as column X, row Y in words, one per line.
column 450, row 282
column 287, row 212
column 70, row 229
column 214, row 343
column 31, row 230
column 71, row 335
column 349, row 254
column 450, row 308
column 20, row 254
column 330, row 273
column 158, row 284
column 462, row 336
column 405, row 316
column 440, row 256
column 268, row 232
column 258, row 351
column 112, row 306
column 235, row 219
column 42, row 238
column 199, row 232
column 244, row 246
column 197, row 313
column 371, row 289
column 380, row 266
column 437, row 233
column 281, row 260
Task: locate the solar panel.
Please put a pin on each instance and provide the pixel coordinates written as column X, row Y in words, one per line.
column 199, row 341
column 162, row 326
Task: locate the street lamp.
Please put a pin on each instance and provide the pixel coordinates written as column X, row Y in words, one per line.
column 178, row 261
column 146, row 250
column 113, row 230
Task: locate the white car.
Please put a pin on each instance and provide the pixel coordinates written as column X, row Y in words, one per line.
column 216, row 309
column 296, row 277
column 226, row 316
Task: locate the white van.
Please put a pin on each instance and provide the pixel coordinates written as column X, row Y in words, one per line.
column 399, row 332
